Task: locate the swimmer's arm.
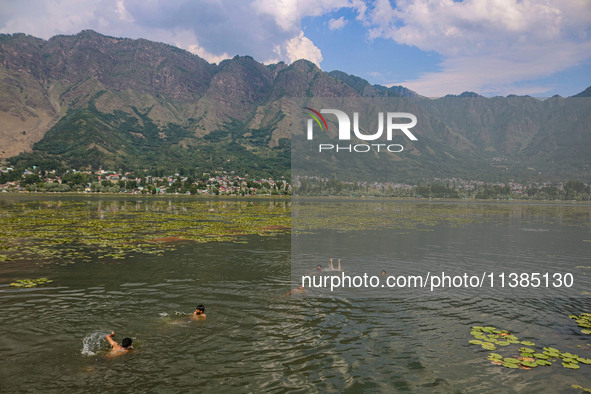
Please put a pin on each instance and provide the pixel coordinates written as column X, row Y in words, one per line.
column 112, row 341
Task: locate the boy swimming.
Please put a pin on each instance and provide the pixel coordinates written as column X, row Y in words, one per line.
column 118, row 349
column 199, row 312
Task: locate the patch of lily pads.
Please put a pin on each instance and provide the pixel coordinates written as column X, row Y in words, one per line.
column 31, row 282
column 65, row 232
column 527, row 356
column 584, row 321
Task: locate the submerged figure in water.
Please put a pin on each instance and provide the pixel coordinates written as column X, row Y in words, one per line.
column 332, row 268
column 300, row 290
column 118, row 349
column 199, row 312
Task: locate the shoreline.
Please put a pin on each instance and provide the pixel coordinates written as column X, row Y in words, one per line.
column 297, row 198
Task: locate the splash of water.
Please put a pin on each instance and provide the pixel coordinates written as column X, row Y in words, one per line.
column 91, row 343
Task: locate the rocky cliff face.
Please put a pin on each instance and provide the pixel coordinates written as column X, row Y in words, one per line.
column 41, row 80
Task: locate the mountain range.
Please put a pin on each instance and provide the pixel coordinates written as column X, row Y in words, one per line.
column 93, row 101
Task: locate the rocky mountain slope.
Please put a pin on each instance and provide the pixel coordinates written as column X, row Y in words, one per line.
column 89, row 101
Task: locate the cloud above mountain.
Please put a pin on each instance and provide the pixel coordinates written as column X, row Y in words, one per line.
column 213, row 29
column 487, row 44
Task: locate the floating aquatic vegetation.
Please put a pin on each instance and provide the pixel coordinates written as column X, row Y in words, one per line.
column 65, row 232
column 571, row 365
column 577, row 386
column 30, row 282
column 584, row 321
column 529, row 363
column 527, row 357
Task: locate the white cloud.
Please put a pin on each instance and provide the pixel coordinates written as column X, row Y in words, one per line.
column 212, row 29
column 201, row 52
column 288, row 13
column 301, row 47
column 298, row 47
column 337, row 24
column 123, row 14
column 45, row 19
column 487, row 45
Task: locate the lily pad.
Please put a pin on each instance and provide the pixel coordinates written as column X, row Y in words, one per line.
column 528, row 343
column 527, row 350
column 571, row 365
column 475, row 342
column 510, row 365
column 541, row 356
column 488, row 346
column 530, row 364
column 543, row 362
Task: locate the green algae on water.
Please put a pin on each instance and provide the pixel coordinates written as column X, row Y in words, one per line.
column 30, row 282
column 67, row 231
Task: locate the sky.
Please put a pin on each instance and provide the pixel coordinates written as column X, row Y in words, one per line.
column 434, row 47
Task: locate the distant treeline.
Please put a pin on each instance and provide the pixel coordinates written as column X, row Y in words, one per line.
column 571, row 190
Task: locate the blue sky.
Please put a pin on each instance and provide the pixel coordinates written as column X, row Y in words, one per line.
column 435, row 47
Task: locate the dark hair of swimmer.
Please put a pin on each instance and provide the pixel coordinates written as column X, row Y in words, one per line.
column 126, row 342
column 319, row 267
column 201, row 308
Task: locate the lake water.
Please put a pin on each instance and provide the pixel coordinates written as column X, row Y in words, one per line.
column 256, row 338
